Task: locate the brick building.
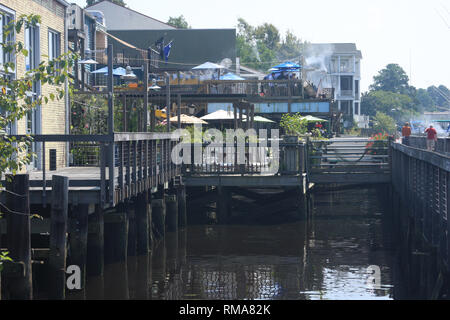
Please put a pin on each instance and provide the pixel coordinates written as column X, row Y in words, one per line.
column 45, row 41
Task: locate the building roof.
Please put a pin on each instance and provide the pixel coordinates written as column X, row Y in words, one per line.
column 190, row 47
column 334, row 48
column 122, row 18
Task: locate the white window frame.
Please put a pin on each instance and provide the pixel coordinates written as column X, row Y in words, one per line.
column 12, row 14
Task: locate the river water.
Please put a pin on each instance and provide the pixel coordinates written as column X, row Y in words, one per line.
column 343, row 251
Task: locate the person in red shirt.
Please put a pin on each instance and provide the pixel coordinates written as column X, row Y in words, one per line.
column 431, row 138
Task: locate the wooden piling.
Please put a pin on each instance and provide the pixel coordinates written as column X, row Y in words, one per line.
column 96, row 243
column 58, row 238
column 158, row 218
column 182, row 211
column 116, row 236
column 172, row 251
column 172, row 213
column 142, row 224
column 78, row 239
column 19, row 235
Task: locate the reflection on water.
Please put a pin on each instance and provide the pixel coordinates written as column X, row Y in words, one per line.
column 324, row 258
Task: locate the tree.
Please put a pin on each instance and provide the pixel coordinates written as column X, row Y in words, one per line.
column 179, row 22
column 261, row 47
column 393, row 78
column 15, row 102
column 119, row 2
column 294, row 124
column 425, row 100
column 399, row 106
column 382, row 123
column 440, row 95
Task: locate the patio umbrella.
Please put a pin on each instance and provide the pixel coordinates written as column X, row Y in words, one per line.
column 210, row 66
column 314, row 119
column 231, row 76
column 221, row 115
column 261, row 119
column 185, row 119
column 286, row 66
column 116, row 72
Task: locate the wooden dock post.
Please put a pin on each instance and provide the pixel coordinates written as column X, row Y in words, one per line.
column 19, row 235
column 159, row 217
column 132, row 228
column 142, row 224
column 182, row 211
column 172, row 251
column 78, row 239
column 172, row 213
column 116, row 235
column 58, row 237
column 96, row 243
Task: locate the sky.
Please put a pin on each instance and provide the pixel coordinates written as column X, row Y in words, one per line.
column 412, row 33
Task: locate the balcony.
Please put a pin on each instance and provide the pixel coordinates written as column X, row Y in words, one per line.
column 346, row 94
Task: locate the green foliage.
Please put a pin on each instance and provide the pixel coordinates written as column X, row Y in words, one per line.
column 384, row 124
column 179, row 22
column 392, row 78
column 15, row 102
column 294, row 124
column 4, row 257
column 394, row 104
column 263, row 46
column 119, row 2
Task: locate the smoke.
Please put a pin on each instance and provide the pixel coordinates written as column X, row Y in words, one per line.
column 420, row 123
column 317, row 61
column 318, row 56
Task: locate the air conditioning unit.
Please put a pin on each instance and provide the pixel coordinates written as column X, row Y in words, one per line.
column 76, row 18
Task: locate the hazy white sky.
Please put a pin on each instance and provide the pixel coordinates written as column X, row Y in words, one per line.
column 412, row 33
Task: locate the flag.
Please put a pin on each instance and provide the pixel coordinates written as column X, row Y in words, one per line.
column 167, row 50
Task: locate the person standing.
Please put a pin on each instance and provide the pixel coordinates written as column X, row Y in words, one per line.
column 406, row 133
column 431, row 138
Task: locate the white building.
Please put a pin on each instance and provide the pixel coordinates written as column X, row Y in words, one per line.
column 340, row 67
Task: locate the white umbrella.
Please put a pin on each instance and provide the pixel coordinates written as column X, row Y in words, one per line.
column 208, row 66
column 221, row 115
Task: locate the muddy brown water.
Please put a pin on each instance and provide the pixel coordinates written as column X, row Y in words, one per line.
column 336, row 254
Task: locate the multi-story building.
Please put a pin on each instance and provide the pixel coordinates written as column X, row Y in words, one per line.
column 341, row 65
column 45, row 41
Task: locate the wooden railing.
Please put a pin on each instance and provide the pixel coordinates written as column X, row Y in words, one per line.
column 261, row 88
column 422, row 180
column 274, row 158
column 135, row 161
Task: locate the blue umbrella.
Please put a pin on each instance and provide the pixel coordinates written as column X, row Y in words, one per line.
column 286, row 66
column 231, row 76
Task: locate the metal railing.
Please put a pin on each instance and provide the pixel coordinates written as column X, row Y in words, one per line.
column 422, row 180
column 420, row 142
column 347, row 155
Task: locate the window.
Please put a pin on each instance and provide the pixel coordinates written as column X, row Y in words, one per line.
column 5, row 19
column 346, row 83
column 54, row 45
column 356, row 87
column 356, row 107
